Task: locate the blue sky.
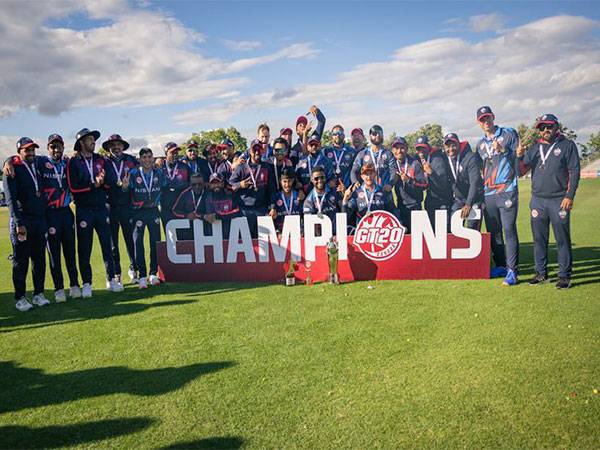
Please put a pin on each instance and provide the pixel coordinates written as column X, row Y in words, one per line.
column 155, row 71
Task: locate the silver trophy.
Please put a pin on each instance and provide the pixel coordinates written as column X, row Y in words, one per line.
column 332, row 259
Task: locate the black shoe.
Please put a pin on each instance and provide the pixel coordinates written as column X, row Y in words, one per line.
column 538, row 278
column 563, row 283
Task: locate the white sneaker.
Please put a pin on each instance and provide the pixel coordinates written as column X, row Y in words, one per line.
column 40, row 300
column 86, row 292
column 154, row 280
column 115, row 285
column 75, row 292
column 60, row 296
column 143, row 283
column 133, row 276
column 108, row 285
column 23, row 305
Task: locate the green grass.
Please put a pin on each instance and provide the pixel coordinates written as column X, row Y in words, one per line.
column 435, row 364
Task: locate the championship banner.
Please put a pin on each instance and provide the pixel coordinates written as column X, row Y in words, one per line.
column 379, row 249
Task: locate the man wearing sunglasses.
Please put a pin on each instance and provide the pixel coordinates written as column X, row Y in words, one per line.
column 280, row 160
column 555, row 172
column 322, row 200
column 380, row 157
column 341, row 156
column 497, row 150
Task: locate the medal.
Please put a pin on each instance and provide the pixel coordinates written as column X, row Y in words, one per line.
column 118, row 171
column 369, row 200
column 288, row 209
column 338, row 160
column 196, row 203
column 454, row 171
column 543, row 156
column 90, row 167
column 148, row 186
column 254, row 176
column 319, row 203
column 171, row 174
column 33, row 174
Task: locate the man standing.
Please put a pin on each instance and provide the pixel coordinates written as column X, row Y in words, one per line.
column 27, row 204
column 177, row 175
column 286, row 202
column 322, row 200
column 497, row 149
column 59, row 217
column 555, row 171
column 410, row 182
column 358, row 139
column 340, row 156
column 439, row 179
column 195, row 164
column 254, row 183
column 119, row 165
column 465, row 168
column 145, row 184
column 280, row 160
column 380, row 157
column 86, row 174
column 307, row 163
column 304, row 132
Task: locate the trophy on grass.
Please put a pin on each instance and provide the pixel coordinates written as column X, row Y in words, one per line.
column 332, row 259
column 290, row 278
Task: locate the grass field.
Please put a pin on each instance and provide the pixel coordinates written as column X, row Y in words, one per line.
column 435, row 364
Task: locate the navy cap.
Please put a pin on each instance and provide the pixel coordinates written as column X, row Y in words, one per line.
column 83, row 133
column 55, row 138
column 115, row 138
column 422, row 141
column 255, row 143
column 170, row 146
column 227, row 142
column 26, row 142
column 451, row 137
column 145, row 150
column 215, row 177
column 376, row 129
column 399, row 141
column 550, row 119
column 484, row 111
column 314, row 138
column 284, row 131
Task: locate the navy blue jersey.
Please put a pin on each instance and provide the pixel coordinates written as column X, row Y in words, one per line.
column 177, row 178
column 81, row 176
column 439, row 189
column 285, row 205
column 466, row 173
column 341, row 160
column 499, row 168
column 145, row 188
column 262, row 176
column 364, row 201
column 384, row 163
column 326, row 203
column 189, row 202
column 23, row 193
column 305, row 166
column 223, row 204
column 280, row 167
column 117, row 171
column 555, row 168
column 410, row 193
column 53, row 176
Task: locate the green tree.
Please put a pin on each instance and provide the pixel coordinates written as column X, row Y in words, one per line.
column 326, row 140
column 593, row 146
column 433, row 131
column 215, row 136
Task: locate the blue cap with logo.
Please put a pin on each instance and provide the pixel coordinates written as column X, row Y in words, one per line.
column 549, row 119
column 451, row 137
column 422, row 141
column 484, row 111
column 26, row 142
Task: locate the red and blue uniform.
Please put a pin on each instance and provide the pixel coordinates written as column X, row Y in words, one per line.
column 26, row 205
column 341, row 160
column 285, row 205
column 91, row 211
column 501, row 195
column 145, row 192
column 384, row 163
column 409, row 194
column 120, row 209
column 305, row 166
column 225, row 206
column 364, row 201
column 467, row 184
column 60, row 219
column 177, row 178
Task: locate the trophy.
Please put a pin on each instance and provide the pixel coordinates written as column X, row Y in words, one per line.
column 332, row 259
column 308, row 270
column 290, row 279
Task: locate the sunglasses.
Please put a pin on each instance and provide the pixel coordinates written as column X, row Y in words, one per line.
column 54, row 146
column 320, row 178
column 544, row 127
column 280, row 150
column 375, row 133
column 337, row 133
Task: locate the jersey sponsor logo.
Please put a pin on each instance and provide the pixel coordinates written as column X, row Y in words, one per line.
column 379, row 235
column 279, row 202
column 556, row 152
column 534, row 213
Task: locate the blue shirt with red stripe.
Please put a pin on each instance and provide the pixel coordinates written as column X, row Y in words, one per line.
column 53, row 178
column 82, row 182
column 140, row 197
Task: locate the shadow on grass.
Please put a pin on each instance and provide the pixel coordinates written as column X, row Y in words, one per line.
column 586, row 263
column 24, row 387
column 104, row 304
column 212, row 442
column 15, row 436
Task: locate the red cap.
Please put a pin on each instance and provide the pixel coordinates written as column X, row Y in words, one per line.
column 301, row 119
column 357, row 130
column 285, row 131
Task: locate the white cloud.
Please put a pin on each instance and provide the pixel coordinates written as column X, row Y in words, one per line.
column 550, row 65
column 241, row 46
column 487, row 22
column 139, row 58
